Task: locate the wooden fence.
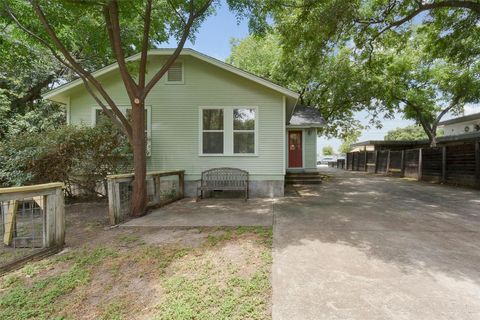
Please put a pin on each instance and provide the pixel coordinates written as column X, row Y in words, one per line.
column 32, row 223
column 340, row 164
column 457, row 164
column 163, row 187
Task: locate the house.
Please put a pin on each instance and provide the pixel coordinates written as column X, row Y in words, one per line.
column 461, row 125
column 205, row 114
column 456, row 131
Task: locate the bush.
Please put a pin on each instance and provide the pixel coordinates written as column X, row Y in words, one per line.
column 77, row 156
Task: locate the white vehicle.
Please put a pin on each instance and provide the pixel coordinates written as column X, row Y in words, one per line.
column 325, row 161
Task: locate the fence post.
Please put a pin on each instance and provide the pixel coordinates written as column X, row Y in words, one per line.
column 388, row 162
column 402, row 164
column 365, row 167
column 156, row 188
column 111, row 200
column 10, row 222
column 376, row 161
column 50, row 220
column 59, row 217
column 477, row 162
column 444, row 164
column 181, row 184
column 420, row 161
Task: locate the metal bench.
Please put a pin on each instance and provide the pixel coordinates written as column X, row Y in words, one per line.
column 224, row 179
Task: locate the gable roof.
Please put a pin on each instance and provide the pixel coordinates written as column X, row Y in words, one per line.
column 52, row 94
column 304, row 117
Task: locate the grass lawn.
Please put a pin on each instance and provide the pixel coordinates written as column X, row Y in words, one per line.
column 148, row 273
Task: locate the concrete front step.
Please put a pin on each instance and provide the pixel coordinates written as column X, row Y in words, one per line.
column 303, row 178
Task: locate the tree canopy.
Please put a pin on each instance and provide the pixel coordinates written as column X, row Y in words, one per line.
column 83, row 35
column 413, row 132
column 419, row 58
column 327, row 151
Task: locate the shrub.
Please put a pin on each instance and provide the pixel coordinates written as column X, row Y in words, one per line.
column 77, row 156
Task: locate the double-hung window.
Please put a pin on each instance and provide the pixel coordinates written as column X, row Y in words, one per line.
column 244, row 131
column 228, row 131
column 99, row 114
column 213, row 131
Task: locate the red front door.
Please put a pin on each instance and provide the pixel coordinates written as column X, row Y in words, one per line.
column 295, row 149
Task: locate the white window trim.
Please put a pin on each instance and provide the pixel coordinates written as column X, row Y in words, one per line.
column 123, row 109
column 227, row 132
column 200, row 150
column 183, row 74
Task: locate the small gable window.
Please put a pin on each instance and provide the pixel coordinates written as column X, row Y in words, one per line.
column 175, row 73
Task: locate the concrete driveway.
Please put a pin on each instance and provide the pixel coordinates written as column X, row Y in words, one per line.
column 370, row 247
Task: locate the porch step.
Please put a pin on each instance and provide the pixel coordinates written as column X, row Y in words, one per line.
column 303, row 178
column 303, row 181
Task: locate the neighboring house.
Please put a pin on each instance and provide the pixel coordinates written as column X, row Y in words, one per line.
column 457, row 130
column 461, row 125
column 205, row 114
column 394, row 145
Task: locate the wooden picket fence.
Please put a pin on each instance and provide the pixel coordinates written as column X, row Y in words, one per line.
column 457, row 164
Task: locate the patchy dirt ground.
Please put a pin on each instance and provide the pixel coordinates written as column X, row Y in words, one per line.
column 144, row 273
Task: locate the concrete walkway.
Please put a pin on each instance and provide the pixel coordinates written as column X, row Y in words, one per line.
column 371, row 247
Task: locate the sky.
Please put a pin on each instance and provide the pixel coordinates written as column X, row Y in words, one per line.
column 214, row 35
column 213, row 39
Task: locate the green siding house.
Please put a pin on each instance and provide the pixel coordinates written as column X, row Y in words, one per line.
column 205, row 114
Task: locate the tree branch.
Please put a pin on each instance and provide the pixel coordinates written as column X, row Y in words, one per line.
column 469, row 5
column 113, row 30
column 428, row 128
column 176, row 11
column 145, row 41
column 452, row 105
column 108, row 111
column 75, row 66
column 186, row 31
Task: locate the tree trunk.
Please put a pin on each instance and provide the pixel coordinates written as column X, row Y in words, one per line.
column 431, row 131
column 433, row 141
column 139, row 195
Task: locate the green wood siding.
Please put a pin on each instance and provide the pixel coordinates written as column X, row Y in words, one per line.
column 310, row 151
column 175, row 118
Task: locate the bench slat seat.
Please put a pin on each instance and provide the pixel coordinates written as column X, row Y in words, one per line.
column 225, row 179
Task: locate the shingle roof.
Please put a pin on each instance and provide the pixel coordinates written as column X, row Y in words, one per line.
column 304, row 116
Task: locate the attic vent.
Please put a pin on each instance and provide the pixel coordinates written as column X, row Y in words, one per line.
column 175, row 73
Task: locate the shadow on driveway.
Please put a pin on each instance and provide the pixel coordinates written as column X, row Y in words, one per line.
column 372, row 247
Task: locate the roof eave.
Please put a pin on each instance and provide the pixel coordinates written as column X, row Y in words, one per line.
column 50, row 95
column 475, row 116
column 305, row 126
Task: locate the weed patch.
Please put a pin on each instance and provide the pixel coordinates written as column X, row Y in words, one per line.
column 38, row 300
